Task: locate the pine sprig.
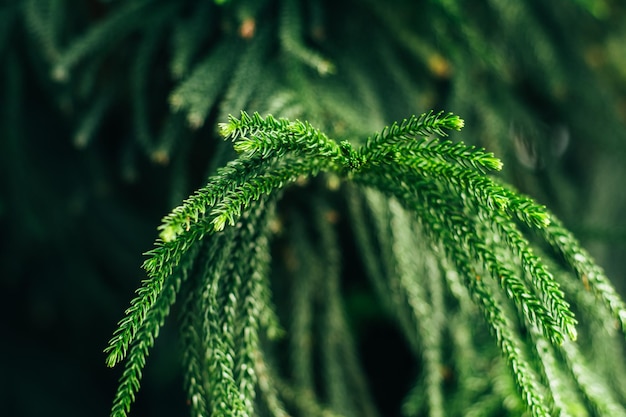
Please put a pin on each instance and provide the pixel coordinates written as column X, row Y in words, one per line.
column 593, row 388
column 234, row 202
column 239, row 319
column 457, row 152
column 142, row 341
column 195, row 207
column 255, row 136
column 426, row 302
column 492, row 203
column 492, row 196
column 290, row 34
column 537, row 273
column 455, row 231
column 425, row 125
column 457, row 179
column 566, row 399
column 154, row 68
column 225, row 199
column 199, row 92
column 123, row 21
column 192, row 323
column 135, row 316
column 590, row 274
column 443, row 185
column 159, row 269
column 567, row 246
column 453, row 237
column 491, row 200
column 525, row 377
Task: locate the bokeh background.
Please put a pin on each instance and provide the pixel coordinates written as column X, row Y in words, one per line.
column 107, row 121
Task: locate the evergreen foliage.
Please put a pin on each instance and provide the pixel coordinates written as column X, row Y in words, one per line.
column 438, row 199
column 308, row 213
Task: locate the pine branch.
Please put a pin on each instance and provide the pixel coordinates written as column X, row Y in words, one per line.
column 496, row 199
column 422, row 209
column 428, row 308
column 143, row 340
column 548, row 289
column 596, row 393
column 490, row 195
column 180, row 231
column 198, row 93
column 184, row 226
column 188, row 36
column 451, row 236
column 247, row 75
column 123, row 21
column 442, row 185
column 255, row 136
column 230, row 310
column 290, row 34
column 588, row 272
column 457, row 179
column 215, row 255
column 234, row 202
column 194, row 208
column 424, row 125
column 566, row 400
column 463, row 237
column 268, row 387
column 523, row 373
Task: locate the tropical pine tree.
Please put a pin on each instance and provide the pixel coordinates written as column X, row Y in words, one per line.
column 310, row 198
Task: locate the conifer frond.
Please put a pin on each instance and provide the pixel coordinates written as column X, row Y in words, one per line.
column 495, row 198
column 425, row 125
column 427, row 303
column 247, row 75
column 594, row 390
column 458, row 179
column 194, row 208
column 180, row 231
column 458, row 236
column 526, row 379
column 187, row 37
column 197, row 94
column 458, row 153
column 268, row 387
column 122, row 22
column 142, row 339
column 415, row 135
column 192, row 323
column 439, row 203
column 567, row 401
column 232, row 203
column 290, row 34
column 267, row 137
column 514, row 286
column 587, row 270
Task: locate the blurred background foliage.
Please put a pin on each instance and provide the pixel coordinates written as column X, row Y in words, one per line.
column 107, row 120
